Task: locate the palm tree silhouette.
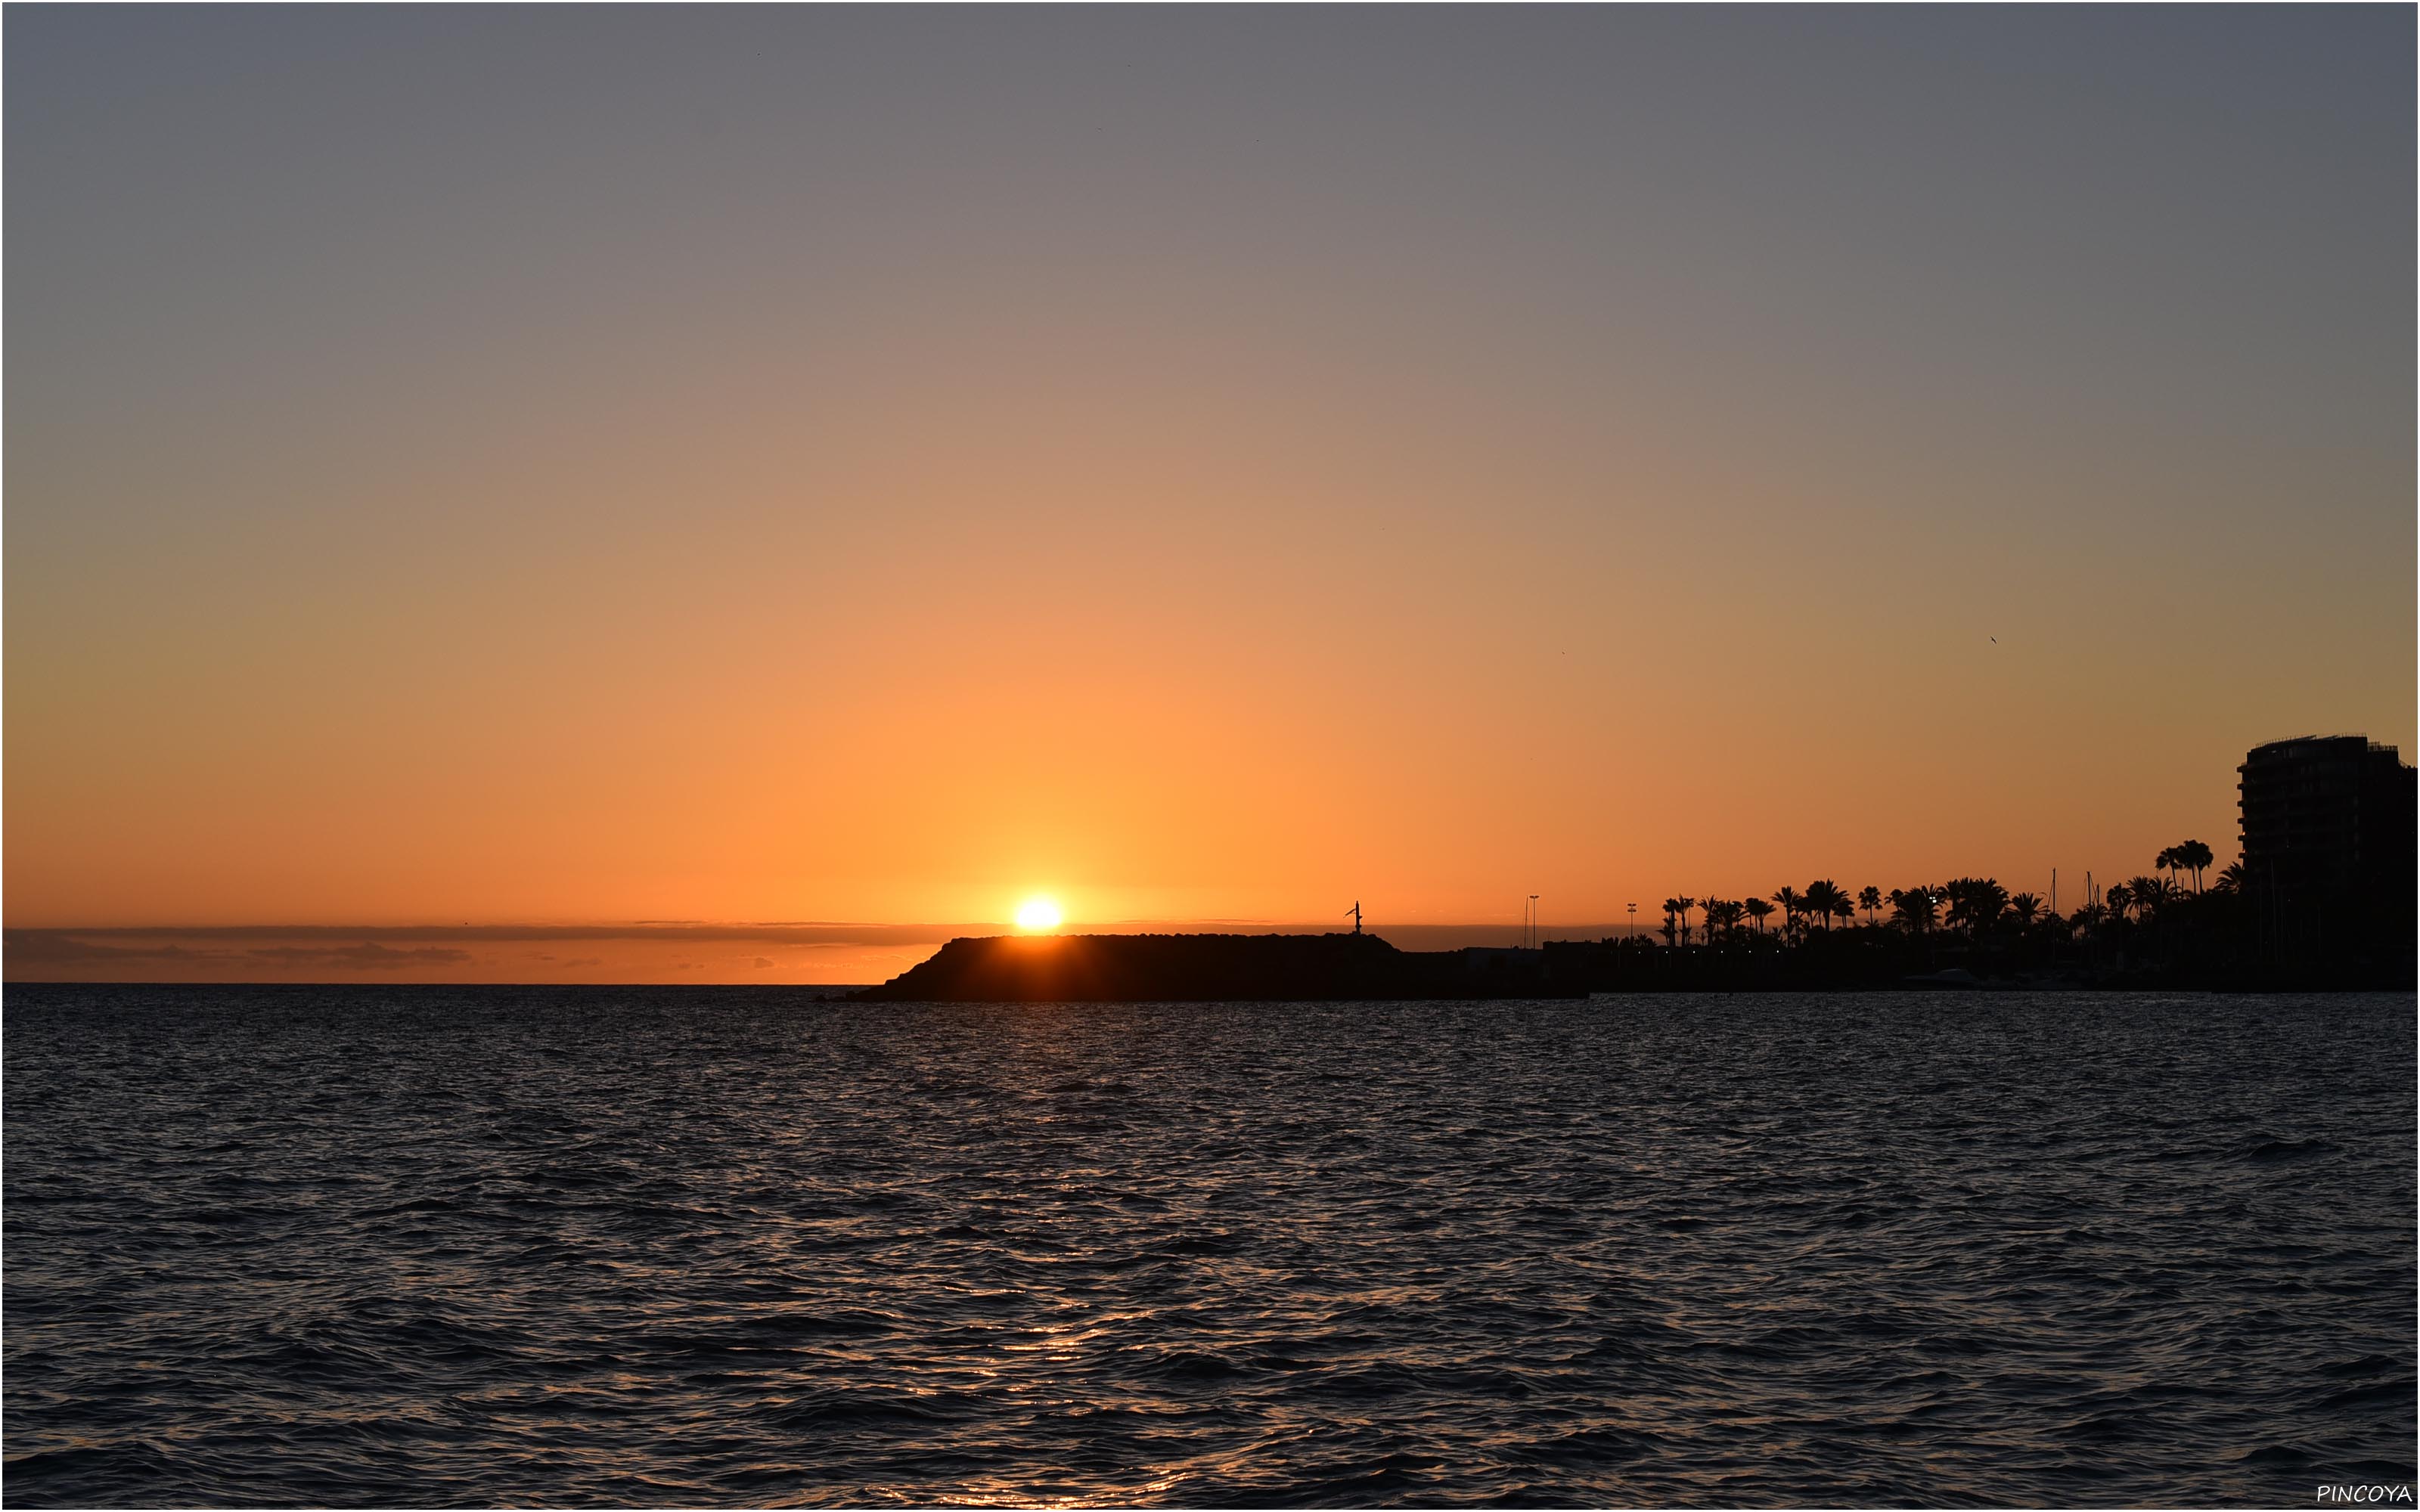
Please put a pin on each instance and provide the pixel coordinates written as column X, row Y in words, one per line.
column 1686, row 904
column 1722, row 917
column 1756, row 909
column 1792, row 902
column 2231, row 880
column 2118, row 899
column 1870, row 900
column 1975, row 903
column 2150, row 894
column 1913, row 907
column 1821, row 896
column 2195, row 856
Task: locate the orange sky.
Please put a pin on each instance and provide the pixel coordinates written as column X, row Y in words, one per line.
column 1097, row 499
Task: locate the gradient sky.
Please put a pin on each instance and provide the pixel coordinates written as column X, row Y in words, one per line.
column 594, row 465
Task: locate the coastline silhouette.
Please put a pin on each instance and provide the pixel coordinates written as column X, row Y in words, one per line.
column 2170, row 927
column 2322, row 899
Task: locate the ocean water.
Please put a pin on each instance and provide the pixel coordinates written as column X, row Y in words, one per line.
column 536, row 1246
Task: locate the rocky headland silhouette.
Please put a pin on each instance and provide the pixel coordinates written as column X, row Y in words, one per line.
column 1338, row 967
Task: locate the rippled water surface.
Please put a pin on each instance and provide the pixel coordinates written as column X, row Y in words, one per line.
column 522, row 1246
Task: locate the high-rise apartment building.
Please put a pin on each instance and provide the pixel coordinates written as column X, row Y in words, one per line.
column 2328, row 839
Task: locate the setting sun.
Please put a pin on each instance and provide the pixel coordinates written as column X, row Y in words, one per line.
column 1037, row 915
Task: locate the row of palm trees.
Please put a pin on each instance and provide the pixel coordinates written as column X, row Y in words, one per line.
column 1974, row 906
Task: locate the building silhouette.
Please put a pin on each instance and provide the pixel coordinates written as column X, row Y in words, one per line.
column 2328, row 844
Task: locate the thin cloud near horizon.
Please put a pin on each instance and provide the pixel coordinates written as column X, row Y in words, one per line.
column 805, row 955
